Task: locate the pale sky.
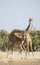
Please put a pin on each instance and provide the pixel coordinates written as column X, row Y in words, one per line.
column 14, row 14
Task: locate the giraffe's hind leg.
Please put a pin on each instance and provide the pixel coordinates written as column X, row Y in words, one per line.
column 31, row 48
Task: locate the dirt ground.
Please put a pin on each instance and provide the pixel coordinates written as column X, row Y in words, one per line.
column 22, row 62
column 18, row 59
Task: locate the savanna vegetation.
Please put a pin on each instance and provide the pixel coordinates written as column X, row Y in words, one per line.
column 4, row 39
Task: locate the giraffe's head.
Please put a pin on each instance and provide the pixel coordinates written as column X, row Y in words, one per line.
column 30, row 20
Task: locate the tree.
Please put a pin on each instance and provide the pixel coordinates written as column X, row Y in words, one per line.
column 4, row 39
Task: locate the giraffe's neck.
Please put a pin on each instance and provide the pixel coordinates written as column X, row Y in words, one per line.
column 28, row 27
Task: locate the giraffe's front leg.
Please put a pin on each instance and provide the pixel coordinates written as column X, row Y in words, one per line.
column 21, row 46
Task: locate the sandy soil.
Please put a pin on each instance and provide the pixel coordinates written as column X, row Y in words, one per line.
column 22, row 62
column 19, row 59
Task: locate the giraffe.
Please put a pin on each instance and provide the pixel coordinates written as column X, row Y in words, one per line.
column 27, row 38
